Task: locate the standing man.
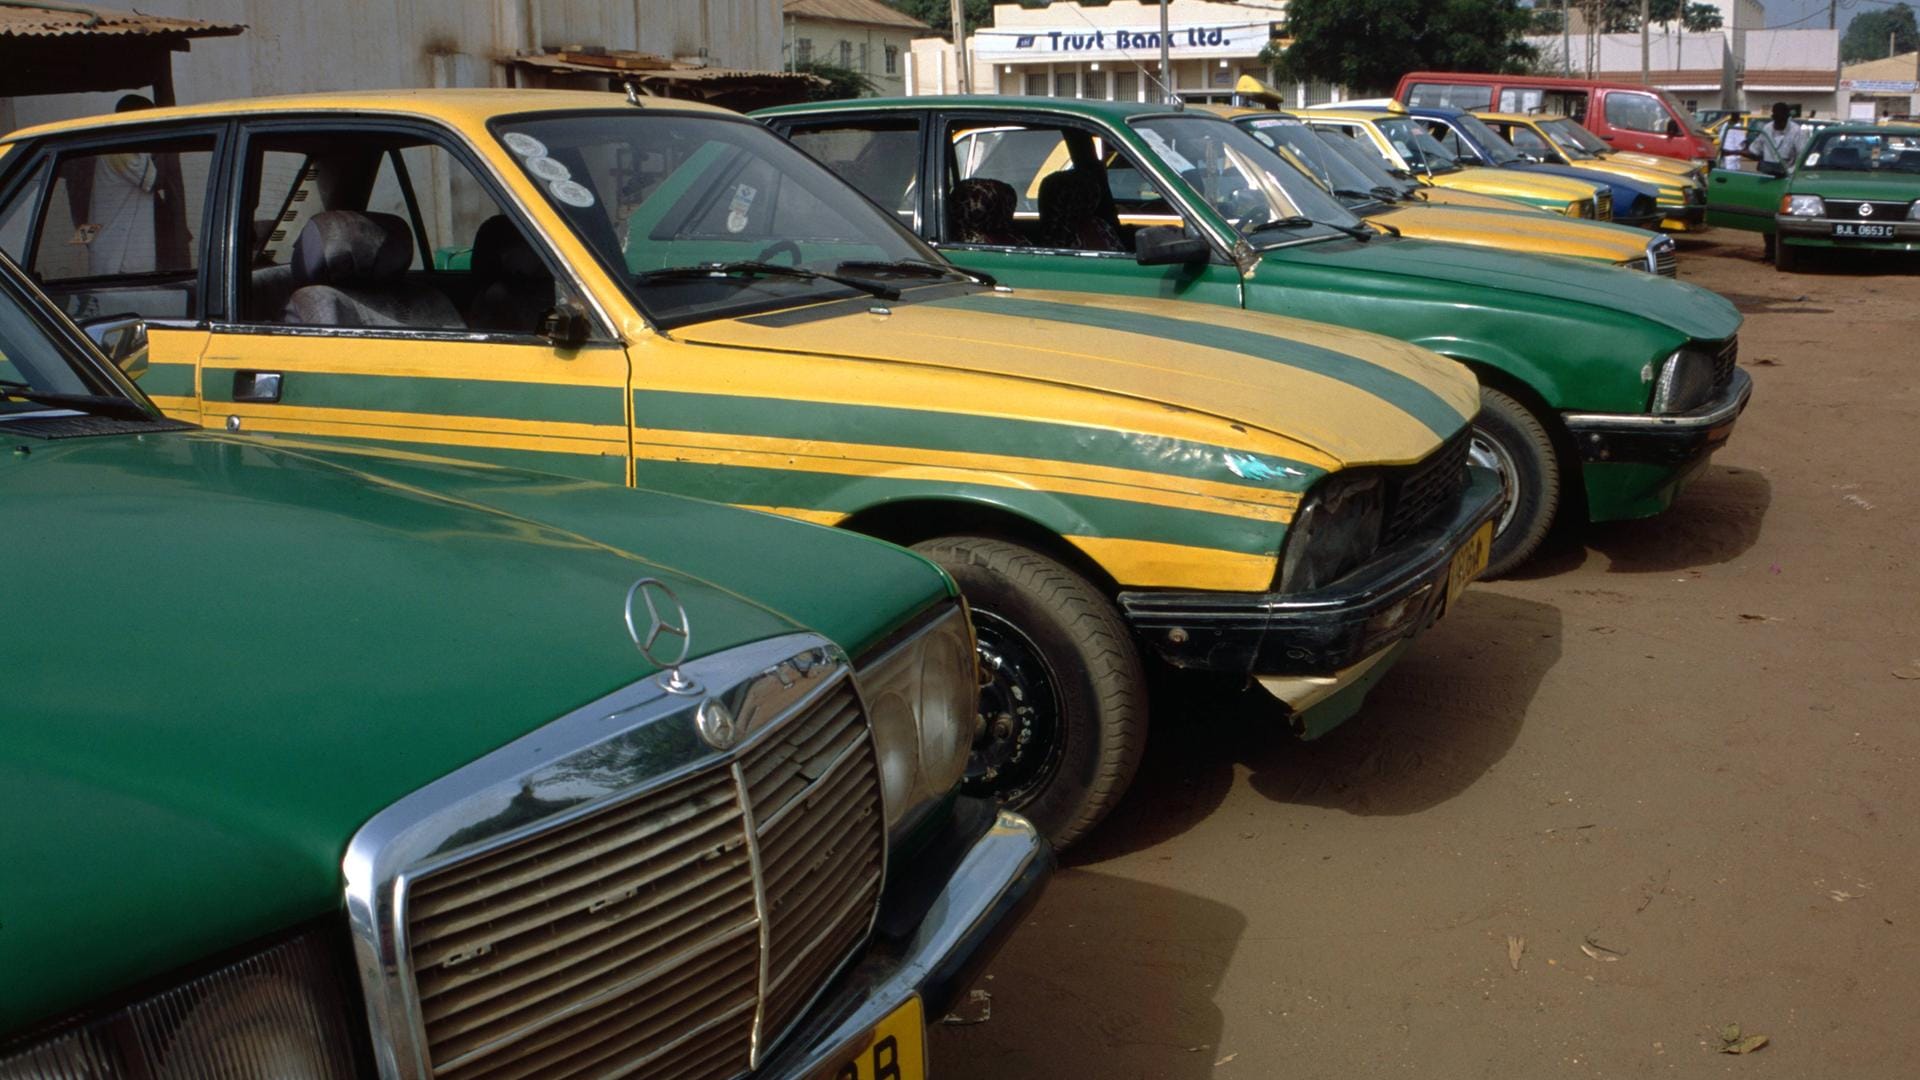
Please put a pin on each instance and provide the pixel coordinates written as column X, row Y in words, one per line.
column 1780, row 142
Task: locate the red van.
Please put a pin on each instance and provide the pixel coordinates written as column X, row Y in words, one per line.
column 1628, row 115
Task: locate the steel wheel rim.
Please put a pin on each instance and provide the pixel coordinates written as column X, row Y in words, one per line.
column 1022, row 731
column 1485, row 451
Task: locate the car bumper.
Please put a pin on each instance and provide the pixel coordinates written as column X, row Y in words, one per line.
column 1684, row 218
column 1818, row 232
column 1305, row 647
column 1676, row 440
column 969, row 886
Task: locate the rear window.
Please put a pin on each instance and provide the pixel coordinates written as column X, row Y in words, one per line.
column 1459, row 96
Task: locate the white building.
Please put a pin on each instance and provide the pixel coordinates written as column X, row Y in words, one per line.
column 865, row 36
column 1799, row 67
column 1699, row 69
column 1110, row 51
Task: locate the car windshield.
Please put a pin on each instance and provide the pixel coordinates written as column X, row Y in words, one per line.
column 1568, row 133
column 40, row 370
column 1370, row 164
column 1269, row 200
column 1338, row 174
column 1859, row 151
column 1418, row 149
column 1681, row 115
column 702, row 217
column 1498, row 150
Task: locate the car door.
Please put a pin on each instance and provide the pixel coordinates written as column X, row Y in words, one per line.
column 115, row 228
column 1743, row 198
column 1047, row 248
column 383, row 289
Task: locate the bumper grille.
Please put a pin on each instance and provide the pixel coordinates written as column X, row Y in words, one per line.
column 1603, row 206
column 1666, row 260
column 1724, row 362
column 631, row 938
column 1425, row 490
column 1849, row 210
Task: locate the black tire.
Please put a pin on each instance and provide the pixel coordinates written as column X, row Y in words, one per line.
column 1064, row 709
column 1786, row 257
column 1509, row 439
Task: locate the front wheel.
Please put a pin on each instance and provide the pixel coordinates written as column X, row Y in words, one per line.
column 1063, row 715
column 1786, row 257
column 1509, row 440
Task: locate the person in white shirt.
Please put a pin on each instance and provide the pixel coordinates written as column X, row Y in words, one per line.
column 1780, row 142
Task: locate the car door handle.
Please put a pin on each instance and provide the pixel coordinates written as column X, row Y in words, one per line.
column 256, row 386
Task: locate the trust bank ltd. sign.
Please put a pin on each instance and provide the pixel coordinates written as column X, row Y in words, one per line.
column 1120, row 42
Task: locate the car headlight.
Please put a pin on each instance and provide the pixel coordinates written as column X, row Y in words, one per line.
column 1803, row 206
column 1685, row 382
column 280, row 1012
column 1578, row 208
column 1913, row 212
column 923, row 700
column 1336, row 529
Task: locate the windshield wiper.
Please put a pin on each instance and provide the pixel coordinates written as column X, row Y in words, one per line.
column 1382, row 191
column 1298, row 222
column 917, row 266
column 98, row 404
column 753, row 268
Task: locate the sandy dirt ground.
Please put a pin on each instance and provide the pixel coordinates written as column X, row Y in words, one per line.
column 1688, row 744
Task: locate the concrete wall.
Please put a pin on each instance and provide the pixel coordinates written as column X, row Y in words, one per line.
column 295, row 47
column 866, row 49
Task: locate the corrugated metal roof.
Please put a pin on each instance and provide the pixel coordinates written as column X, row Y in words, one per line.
column 32, row 22
column 864, row 12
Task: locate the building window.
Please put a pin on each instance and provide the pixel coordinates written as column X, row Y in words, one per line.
column 803, row 51
column 1126, row 86
column 846, row 54
column 893, row 59
column 866, row 58
column 1036, row 84
column 1066, row 84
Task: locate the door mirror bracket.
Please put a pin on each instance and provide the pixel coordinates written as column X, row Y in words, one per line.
column 123, row 338
column 565, row 326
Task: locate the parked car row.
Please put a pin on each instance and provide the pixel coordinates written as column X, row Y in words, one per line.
column 444, row 755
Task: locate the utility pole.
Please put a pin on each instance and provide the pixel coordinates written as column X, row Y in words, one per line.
column 1645, row 74
column 1833, row 10
column 963, row 73
column 1166, row 65
column 1566, row 39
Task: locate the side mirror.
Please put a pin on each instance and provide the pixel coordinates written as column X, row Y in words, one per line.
column 123, row 338
column 566, row 326
column 1167, row 245
column 1673, row 129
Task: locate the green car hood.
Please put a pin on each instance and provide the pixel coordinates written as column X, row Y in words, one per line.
column 228, row 653
column 1852, row 184
column 1691, row 310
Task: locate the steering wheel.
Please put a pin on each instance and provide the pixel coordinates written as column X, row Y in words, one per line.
column 776, row 248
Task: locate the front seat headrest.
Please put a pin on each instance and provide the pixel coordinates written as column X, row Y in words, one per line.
column 345, row 247
column 500, row 250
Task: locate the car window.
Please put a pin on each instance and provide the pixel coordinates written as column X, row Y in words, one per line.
column 1634, row 111
column 1057, row 203
column 1450, row 139
column 880, row 157
column 1262, row 194
column 1852, row 151
column 1018, row 156
column 1459, row 96
column 119, row 229
column 369, row 229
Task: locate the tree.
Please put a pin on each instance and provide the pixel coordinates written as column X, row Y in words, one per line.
column 1867, row 34
column 842, row 82
column 939, row 13
column 1367, row 45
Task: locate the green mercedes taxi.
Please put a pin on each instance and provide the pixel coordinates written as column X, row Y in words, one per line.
column 1603, row 390
column 1857, row 188
column 327, row 762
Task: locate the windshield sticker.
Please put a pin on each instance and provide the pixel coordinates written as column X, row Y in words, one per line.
column 1813, row 158
column 743, row 197
column 1165, row 150
column 525, row 145
column 548, row 169
column 571, row 193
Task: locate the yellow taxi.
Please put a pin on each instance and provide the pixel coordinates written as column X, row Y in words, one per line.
column 1680, row 186
column 1405, row 144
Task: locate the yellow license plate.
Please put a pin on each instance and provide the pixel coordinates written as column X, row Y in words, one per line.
column 1469, row 561
column 894, row 1051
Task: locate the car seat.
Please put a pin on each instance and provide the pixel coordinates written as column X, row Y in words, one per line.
column 514, row 288
column 1071, row 215
column 349, row 270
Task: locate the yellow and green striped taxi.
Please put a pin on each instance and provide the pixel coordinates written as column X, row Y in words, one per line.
column 1559, row 140
column 672, row 296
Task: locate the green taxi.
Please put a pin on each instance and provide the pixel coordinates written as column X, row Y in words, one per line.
column 331, row 762
column 1604, row 390
column 1856, row 188
column 667, row 295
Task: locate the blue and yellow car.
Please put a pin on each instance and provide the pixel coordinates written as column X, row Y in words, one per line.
column 666, row 295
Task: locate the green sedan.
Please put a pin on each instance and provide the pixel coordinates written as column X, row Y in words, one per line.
column 1857, row 188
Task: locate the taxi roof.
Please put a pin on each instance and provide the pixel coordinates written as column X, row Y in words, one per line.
column 464, row 106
